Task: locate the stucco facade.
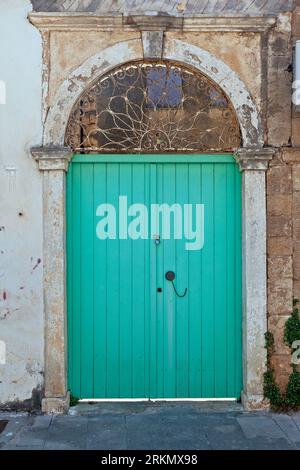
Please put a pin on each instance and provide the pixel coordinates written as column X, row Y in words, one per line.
column 21, row 267
column 61, row 49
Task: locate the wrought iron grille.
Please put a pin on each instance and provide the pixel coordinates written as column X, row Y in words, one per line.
column 153, row 107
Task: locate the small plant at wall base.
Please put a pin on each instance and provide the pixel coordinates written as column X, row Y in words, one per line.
column 292, row 326
column 290, row 399
column 73, row 400
column 292, row 334
column 271, row 389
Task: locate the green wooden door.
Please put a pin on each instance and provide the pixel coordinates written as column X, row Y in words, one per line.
column 130, row 335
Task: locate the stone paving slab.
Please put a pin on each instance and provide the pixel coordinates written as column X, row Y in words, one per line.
column 260, row 426
column 289, row 427
column 296, row 419
column 15, row 424
column 108, row 429
column 153, row 426
column 157, row 432
column 66, row 432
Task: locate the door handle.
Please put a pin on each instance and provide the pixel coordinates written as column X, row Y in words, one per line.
column 170, row 276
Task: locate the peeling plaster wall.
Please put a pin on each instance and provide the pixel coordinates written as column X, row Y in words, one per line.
column 21, row 266
column 68, row 50
column 240, row 51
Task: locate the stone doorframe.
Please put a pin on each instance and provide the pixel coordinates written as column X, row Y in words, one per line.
column 253, row 159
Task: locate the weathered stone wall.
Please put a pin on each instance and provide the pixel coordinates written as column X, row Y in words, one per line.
column 283, row 191
column 240, row 51
column 279, row 83
column 280, row 260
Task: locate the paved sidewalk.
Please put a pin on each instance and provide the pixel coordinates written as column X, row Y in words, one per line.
column 157, row 426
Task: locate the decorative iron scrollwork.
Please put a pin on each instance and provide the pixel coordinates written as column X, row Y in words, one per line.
column 157, row 107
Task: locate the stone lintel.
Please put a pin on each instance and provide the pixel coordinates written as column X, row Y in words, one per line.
column 76, row 21
column 52, row 158
column 290, row 154
column 256, row 159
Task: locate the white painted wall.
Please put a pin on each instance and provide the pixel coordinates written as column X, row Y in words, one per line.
column 21, row 296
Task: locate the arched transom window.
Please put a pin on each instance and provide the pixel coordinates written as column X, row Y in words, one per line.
column 153, row 107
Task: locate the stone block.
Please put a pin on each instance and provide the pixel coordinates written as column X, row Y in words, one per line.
column 281, row 363
column 280, row 299
column 276, row 160
column 279, row 226
column 279, row 180
column 279, row 44
column 276, row 325
column 279, row 100
column 279, row 204
column 290, row 154
column 296, row 260
column 297, row 289
column 296, row 215
column 56, row 406
column 279, row 268
column 254, row 402
column 280, row 246
column 296, row 177
column 296, row 130
column 296, row 22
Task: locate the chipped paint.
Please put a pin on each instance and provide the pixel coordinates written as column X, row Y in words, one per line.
column 174, row 49
column 228, row 80
column 38, row 262
column 78, row 80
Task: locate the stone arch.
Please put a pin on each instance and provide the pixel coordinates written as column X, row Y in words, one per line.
column 53, row 160
column 176, row 50
column 153, row 106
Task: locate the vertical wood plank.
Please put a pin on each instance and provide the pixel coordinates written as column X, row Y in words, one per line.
column 75, row 275
column 87, row 274
column 195, row 292
column 208, row 298
column 126, row 326
column 100, row 290
column 220, row 279
column 182, row 336
column 138, row 294
column 169, row 297
column 113, row 292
